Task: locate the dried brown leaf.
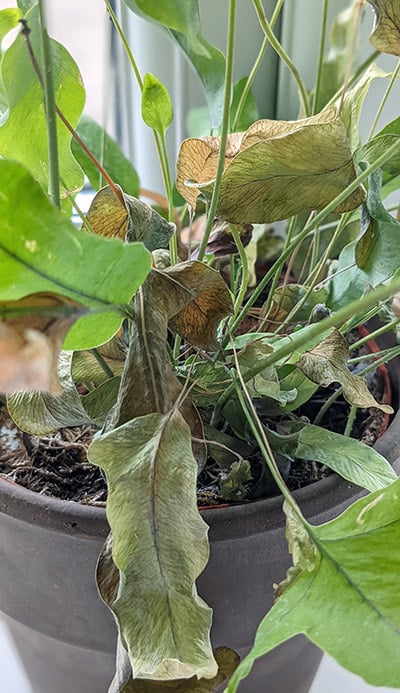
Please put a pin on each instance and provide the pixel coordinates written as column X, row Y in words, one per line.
column 210, row 301
column 129, row 219
column 32, row 331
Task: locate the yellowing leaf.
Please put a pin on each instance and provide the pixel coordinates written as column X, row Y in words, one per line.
column 274, row 170
column 197, row 162
column 227, row 661
column 327, row 363
column 159, row 558
column 32, row 331
column 91, row 365
column 129, row 219
column 385, row 36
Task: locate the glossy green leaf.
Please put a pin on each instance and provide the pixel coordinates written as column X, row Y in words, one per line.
column 8, row 20
column 326, row 363
column 265, row 383
column 182, row 17
column 159, row 546
column 41, row 413
column 23, row 134
column 26, row 5
column 41, row 251
column 157, row 110
column 108, row 152
column 354, row 461
column 292, row 378
column 384, row 139
column 349, row 588
column 182, row 23
column 377, row 252
column 385, row 36
column 349, row 282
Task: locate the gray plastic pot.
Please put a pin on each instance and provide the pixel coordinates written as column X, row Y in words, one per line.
column 66, row 636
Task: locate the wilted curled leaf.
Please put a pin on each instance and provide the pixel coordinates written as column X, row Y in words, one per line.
column 159, row 559
column 32, row 331
column 227, row 660
column 132, row 221
column 385, row 36
column 197, row 321
column 191, row 298
column 327, row 363
column 274, row 170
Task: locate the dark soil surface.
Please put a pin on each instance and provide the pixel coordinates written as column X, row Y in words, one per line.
column 57, row 465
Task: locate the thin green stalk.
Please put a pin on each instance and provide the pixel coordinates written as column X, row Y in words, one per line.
column 244, row 282
column 102, row 363
column 384, row 355
column 312, row 278
column 160, row 145
column 327, row 405
column 257, row 429
column 384, row 99
column 376, row 333
column 125, row 44
column 363, row 176
column 322, row 37
column 350, row 421
column 232, row 273
column 256, row 66
column 173, row 244
column 50, row 105
column 354, row 77
column 277, row 46
column 352, row 50
column 299, row 339
column 224, row 127
column 315, row 249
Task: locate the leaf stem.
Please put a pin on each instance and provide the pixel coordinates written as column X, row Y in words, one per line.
column 50, row 105
column 320, row 56
column 244, row 270
column 350, row 421
column 277, row 46
column 352, row 50
column 224, row 128
column 125, row 44
column 102, row 363
column 117, row 192
column 254, row 69
column 393, row 78
column 376, row 333
column 262, row 441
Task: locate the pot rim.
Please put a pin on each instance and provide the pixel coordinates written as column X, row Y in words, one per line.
column 74, row 518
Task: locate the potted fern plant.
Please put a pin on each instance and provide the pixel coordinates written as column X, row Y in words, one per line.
column 193, row 372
